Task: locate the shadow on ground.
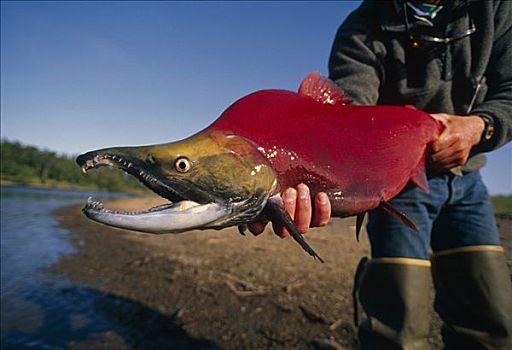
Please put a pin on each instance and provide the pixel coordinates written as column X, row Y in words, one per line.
column 136, row 326
column 98, row 320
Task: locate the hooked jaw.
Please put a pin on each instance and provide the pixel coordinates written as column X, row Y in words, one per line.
column 166, row 218
column 131, row 165
column 178, row 215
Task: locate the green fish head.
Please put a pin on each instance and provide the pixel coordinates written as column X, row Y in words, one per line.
column 223, row 171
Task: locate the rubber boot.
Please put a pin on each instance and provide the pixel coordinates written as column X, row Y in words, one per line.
column 473, row 297
column 396, row 297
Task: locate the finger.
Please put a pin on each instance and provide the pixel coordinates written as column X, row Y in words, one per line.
column 448, row 161
column 289, row 202
column 257, row 227
column 445, row 167
column 445, row 151
column 441, row 117
column 322, row 213
column 303, row 211
column 449, row 154
column 448, row 164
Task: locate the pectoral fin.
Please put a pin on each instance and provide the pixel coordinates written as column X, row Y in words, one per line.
column 276, row 212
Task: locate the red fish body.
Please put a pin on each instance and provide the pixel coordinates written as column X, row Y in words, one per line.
column 358, row 155
column 231, row 173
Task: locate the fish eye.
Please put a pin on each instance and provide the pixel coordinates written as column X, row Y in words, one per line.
column 182, row 164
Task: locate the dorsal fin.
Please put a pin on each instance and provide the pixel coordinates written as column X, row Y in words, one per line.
column 323, row 90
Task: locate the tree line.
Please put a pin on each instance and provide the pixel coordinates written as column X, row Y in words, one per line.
column 28, row 165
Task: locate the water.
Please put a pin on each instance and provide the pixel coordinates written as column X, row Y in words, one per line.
column 40, row 309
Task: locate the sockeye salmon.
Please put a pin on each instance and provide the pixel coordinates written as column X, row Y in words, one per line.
column 232, row 172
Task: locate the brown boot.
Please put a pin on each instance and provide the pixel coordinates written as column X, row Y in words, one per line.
column 474, row 297
column 396, row 297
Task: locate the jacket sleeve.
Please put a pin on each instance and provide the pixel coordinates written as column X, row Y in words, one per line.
column 498, row 101
column 352, row 64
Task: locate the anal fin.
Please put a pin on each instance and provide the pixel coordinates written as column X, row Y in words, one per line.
column 398, row 215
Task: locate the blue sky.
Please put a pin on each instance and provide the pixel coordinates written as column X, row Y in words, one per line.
column 77, row 76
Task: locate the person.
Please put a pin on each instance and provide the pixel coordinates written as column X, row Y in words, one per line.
column 451, row 59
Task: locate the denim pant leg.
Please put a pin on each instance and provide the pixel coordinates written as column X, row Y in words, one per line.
column 395, row 293
column 467, row 219
column 472, row 282
column 389, row 237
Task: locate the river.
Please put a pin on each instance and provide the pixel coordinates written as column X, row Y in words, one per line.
column 41, row 309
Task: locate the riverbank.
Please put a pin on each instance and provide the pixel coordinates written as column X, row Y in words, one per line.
column 218, row 289
column 51, row 185
column 62, row 185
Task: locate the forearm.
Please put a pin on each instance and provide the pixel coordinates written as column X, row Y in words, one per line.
column 500, row 111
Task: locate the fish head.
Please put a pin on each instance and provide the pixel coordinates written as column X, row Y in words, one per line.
column 212, row 180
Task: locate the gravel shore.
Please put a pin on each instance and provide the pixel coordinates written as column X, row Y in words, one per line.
column 218, row 289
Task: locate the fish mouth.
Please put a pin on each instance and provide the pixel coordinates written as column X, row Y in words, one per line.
column 94, row 205
column 189, row 207
column 132, row 166
column 167, row 218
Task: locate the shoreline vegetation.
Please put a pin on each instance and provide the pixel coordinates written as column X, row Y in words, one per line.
column 30, row 166
column 25, row 165
column 502, row 205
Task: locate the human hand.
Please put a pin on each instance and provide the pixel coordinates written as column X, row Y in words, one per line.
column 452, row 147
column 297, row 202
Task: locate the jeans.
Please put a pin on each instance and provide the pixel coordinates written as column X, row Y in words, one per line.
column 455, row 213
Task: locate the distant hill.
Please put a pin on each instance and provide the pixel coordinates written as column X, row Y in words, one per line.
column 28, row 165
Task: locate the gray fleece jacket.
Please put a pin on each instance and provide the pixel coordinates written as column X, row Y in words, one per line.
column 373, row 61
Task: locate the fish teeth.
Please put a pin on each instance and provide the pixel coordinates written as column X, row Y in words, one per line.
column 92, row 204
column 98, row 206
column 90, row 163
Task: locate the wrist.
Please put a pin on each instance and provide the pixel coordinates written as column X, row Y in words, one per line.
column 488, row 131
column 479, row 127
